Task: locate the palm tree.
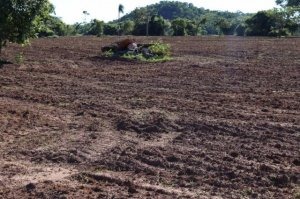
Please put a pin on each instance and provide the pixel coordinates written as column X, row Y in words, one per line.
column 120, row 10
column 85, row 15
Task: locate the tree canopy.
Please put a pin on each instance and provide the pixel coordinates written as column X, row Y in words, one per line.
column 288, row 3
column 177, row 18
column 19, row 19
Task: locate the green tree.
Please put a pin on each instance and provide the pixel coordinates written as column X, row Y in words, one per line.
column 170, row 10
column 288, row 3
column 111, row 29
column 86, row 14
column 141, row 18
column 51, row 26
column 120, row 10
column 179, row 27
column 292, row 8
column 225, row 26
column 192, row 28
column 292, row 11
column 96, row 28
column 260, row 24
column 127, row 27
column 82, row 28
column 284, row 22
column 18, row 19
column 139, row 15
column 276, row 22
column 212, row 22
column 157, row 26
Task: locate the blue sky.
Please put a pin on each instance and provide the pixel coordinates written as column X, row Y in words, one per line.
column 71, row 10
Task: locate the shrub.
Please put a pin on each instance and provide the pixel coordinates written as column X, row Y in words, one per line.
column 160, row 49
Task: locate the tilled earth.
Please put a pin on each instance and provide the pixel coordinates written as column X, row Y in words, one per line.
column 221, row 120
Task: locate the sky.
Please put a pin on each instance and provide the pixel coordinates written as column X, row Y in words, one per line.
column 71, row 11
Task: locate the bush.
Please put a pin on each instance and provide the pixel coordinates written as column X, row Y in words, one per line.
column 160, row 49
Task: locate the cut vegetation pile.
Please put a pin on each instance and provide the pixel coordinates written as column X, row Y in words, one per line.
column 130, row 49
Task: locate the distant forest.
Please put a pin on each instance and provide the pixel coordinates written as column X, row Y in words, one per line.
column 173, row 18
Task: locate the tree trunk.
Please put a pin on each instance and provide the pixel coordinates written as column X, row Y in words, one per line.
column 147, row 26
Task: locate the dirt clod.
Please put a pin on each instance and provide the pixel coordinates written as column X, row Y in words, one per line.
column 30, row 187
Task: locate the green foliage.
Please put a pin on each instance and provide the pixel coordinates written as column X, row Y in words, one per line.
column 127, row 27
column 96, row 28
column 198, row 20
column 160, row 49
column 120, row 9
column 157, row 52
column 19, row 58
column 169, row 10
column 109, row 53
column 140, row 29
column 225, row 26
column 140, row 17
column 160, row 52
column 52, row 26
column 288, row 3
column 82, row 28
column 182, row 27
column 291, row 8
column 170, row 18
column 19, row 19
column 111, row 29
column 158, row 26
column 276, row 22
column 192, row 28
column 179, row 27
column 140, row 57
column 260, row 24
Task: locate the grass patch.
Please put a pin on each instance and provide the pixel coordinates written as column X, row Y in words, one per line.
column 19, row 58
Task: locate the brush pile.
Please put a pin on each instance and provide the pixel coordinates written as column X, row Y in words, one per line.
column 130, row 49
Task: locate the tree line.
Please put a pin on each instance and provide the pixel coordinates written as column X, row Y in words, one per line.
column 20, row 20
column 180, row 19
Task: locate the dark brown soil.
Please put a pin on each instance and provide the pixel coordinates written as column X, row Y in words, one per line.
column 222, row 120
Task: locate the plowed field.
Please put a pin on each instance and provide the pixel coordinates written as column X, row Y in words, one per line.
column 221, row 120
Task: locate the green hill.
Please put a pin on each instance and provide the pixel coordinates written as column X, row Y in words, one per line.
column 171, row 10
column 212, row 22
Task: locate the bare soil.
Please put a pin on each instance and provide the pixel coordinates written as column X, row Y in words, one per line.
column 221, row 120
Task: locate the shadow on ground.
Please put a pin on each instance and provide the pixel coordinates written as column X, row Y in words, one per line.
column 4, row 62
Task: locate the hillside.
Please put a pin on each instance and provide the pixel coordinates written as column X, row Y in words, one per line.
column 173, row 9
column 211, row 21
